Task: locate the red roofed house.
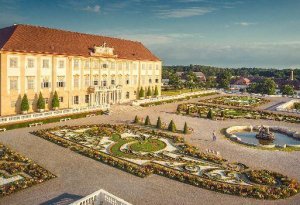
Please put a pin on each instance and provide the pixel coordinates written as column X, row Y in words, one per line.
column 86, row 70
column 241, row 83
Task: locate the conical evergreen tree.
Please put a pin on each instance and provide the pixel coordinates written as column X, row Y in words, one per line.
column 147, row 120
column 222, row 113
column 24, row 103
column 158, row 123
column 142, row 93
column 185, row 128
column 136, row 120
column 210, row 114
column 156, row 91
column 55, row 100
column 41, row 102
column 172, row 126
column 149, row 93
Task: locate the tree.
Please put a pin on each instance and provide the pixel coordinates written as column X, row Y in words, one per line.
column 149, row 93
column 185, row 128
column 222, row 113
column 136, row 120
column 210, row 114
column 158, row 123
column 191, row 80
column 223, row 79
column 156, row 91
column 24, row 104
column 147, row 120
column 266, row 86
column 55, row 100
column 287, row 90
column 142, row 93
column 172, row 126
column 175, row 81
column 41, row 102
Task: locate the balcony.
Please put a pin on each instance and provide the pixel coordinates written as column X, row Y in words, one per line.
column 93, row 89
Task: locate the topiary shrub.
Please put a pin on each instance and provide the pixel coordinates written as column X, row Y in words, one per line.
column 136, row 120
column 158, row 123
column 149, row 93
column 55, row 101
column 156, row 91
column 185, row 128
column 41, row 102
column 172, row 126
column 142, row 93
column 147, row 120
column 24, row 104
column 210, row 114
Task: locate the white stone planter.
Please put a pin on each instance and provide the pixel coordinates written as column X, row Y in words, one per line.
column 24, row 112
column 55, row 108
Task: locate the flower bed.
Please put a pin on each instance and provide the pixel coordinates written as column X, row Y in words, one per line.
column 177, row 160
column 18, row 172
column 176, row 100
column 201, row 110
column 237, row 101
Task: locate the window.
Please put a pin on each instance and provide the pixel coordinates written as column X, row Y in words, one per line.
column 76, row 82
column 87, row 64
column 105, row 65
column 127, row 95
column 60, row 84
column 30, row 83
column 134, row 79
column 120, row 66
column 127, row 82
column 61, row 64
column 143, row 66
column 76, row 64
column 76, row 100
column 112, row 82
column 157, row 67
column 87, row 99
column 46, row 100
column 46, row 63
column 60, row 81
column 95, row 82
column 113, row 66
column 61, row 99
column 127, row 66
column 13, row 82
column 150, row 67
column 150, row 80
column 87, row 81
column 30, row 63
column 156, row 81
column 104, row 83
column 134, row 92
column 13, row 62
column 46, row 83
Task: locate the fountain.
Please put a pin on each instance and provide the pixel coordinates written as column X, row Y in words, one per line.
column 265, row 134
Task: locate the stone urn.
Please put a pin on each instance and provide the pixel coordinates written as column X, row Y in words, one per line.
column 265, row 134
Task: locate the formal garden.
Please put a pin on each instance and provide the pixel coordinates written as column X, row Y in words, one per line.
column 143, row 151
column 237, row 101
column 18, row 172
column 216, row 112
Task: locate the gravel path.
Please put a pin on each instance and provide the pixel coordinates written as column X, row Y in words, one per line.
column 78, row 175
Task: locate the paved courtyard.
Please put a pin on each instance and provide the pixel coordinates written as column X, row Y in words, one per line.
column 78, row 176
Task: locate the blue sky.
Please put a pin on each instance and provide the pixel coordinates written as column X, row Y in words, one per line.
column 227, row 33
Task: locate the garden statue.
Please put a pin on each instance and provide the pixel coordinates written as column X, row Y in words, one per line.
column 265, row 134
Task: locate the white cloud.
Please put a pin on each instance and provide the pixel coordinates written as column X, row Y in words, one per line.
column 95, row 8
column 244, row 23
column 185, row 12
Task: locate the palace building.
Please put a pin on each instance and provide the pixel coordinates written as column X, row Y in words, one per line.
column 84, row 69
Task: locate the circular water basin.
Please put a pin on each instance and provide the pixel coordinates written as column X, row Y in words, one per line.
column 280, row 139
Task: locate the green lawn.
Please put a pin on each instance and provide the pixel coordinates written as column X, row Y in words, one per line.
column 150, row 145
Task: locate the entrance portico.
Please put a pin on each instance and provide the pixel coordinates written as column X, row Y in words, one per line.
column 100, row 95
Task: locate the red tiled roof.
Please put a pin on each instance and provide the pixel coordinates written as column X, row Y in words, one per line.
column 35, row 39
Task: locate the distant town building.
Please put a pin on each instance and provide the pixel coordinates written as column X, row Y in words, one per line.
column 241, row 83
column 200, row 76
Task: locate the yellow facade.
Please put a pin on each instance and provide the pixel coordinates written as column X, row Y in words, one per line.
column 79, row 81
